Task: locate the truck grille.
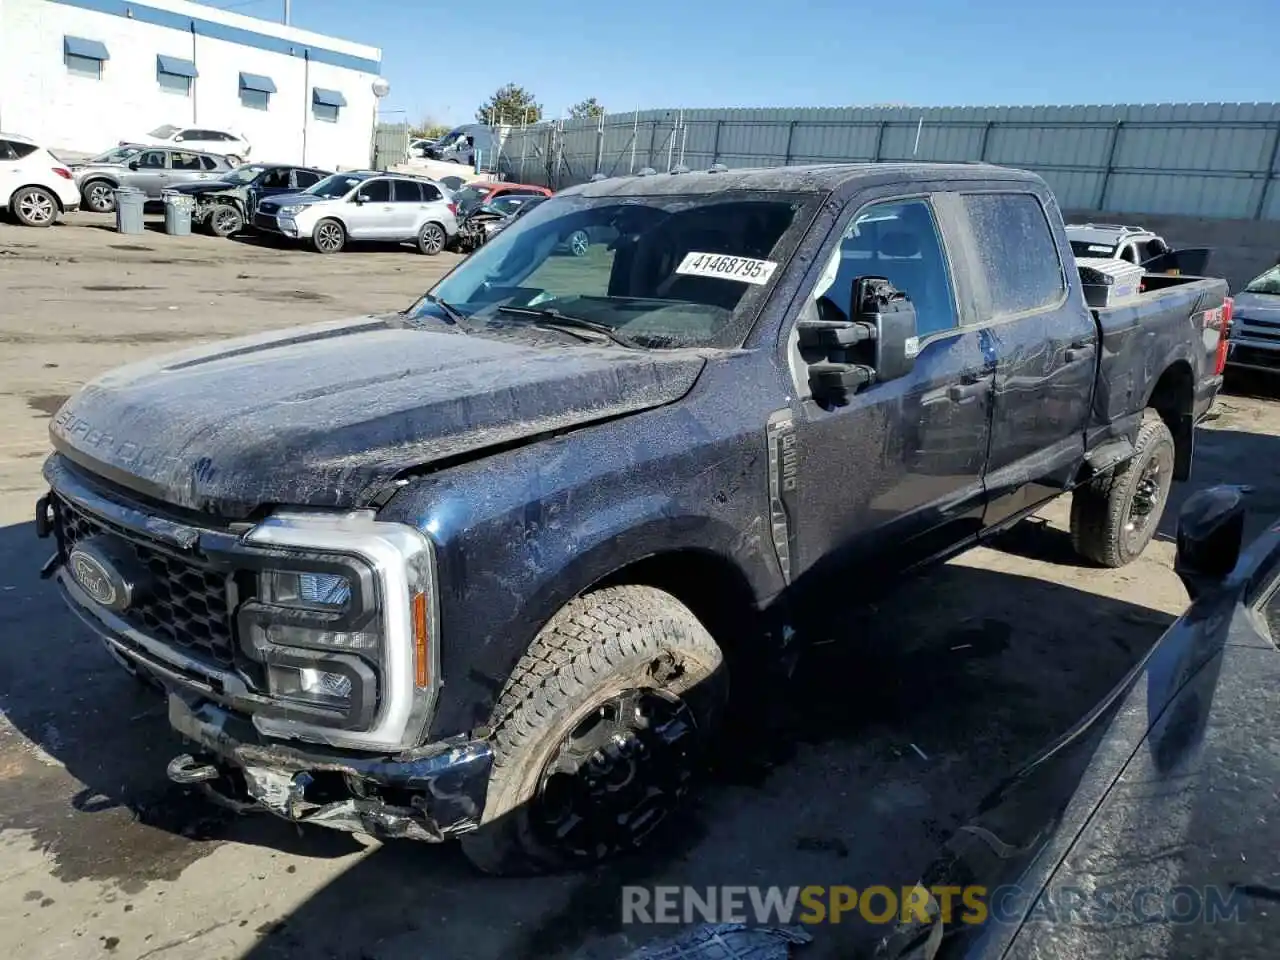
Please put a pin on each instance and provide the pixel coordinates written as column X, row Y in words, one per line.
column 187, row 602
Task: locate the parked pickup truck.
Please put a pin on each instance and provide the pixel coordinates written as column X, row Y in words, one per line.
column 483, row 568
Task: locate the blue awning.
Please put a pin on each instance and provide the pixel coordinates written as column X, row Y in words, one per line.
column 327, row 98
column 80, row 47
column 176, row 66
column 256, row 81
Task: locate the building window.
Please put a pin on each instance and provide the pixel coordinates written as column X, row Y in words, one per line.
column 325, row 104
column 84, row 58
column 256, row 91
column 175, row 74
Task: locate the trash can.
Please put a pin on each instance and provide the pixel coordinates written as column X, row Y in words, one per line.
column 177, row 214
column 129, row 204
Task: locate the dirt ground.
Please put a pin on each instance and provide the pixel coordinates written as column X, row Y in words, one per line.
column 894, row 730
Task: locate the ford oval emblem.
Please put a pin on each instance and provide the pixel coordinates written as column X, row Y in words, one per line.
column 96, row 577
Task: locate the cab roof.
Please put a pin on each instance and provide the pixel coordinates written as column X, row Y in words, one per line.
column 815, row 178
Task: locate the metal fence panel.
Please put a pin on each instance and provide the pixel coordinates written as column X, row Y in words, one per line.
column 1202, row 159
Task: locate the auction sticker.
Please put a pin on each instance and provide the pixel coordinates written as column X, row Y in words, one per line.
column 744, row 269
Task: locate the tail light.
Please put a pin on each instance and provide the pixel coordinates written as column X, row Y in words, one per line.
column 1220, row 358
column 63, row 172
column 453, row 208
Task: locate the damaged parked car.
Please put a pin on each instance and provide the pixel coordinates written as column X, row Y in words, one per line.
column 490, row 217
column 489, row 567
column 153, row 170
column 226, row 206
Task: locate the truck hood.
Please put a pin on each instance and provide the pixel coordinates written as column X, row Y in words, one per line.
column 328, row 415
column 1260, row 305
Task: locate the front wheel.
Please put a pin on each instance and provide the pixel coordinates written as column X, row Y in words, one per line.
column 1114, row 516
column 328, row 236
column 233, row 160
column 579, row 243
column 431, row 239
column 34, row 207
column 598, row 732
column 225, row 220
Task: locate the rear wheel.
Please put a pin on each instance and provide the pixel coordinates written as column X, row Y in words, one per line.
column 1114, row 517
column 233, row 160
column 329, row 236
column 99, row 196
column 431, row 239
column 579, row 243
column 34, row 206
column 598, row 732
column 225, row 220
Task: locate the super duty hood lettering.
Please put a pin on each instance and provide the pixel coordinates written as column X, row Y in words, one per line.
column 327, row 415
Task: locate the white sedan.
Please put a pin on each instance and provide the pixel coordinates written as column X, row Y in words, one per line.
column 35, row 186
column 202, row 139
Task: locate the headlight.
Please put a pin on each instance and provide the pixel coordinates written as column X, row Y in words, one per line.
column 341, row 613
column 290, row 209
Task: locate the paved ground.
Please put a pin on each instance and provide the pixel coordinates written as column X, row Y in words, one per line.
column 892, row 733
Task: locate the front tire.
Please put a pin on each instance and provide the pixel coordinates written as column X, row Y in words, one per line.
column 34, row 207
column 225, row 220
column 579, row 243
column 99, row 196
column 329, row 236
column 1114, row 516
column 598, row 732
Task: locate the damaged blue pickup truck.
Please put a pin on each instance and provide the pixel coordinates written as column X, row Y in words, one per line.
column 484, row 568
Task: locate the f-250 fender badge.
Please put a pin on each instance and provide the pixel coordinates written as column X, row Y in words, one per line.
column 784, row 474
column 911, row 346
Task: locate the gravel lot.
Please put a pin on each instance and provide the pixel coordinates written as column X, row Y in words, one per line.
column 887, row 739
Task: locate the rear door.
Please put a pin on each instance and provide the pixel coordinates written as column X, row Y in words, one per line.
column 895, row 476
column 406, row 199
column 186, row 167
column 1045, row 339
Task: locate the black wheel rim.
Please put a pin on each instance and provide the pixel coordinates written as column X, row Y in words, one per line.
column 617, row 775
column 1147, row 502
column 432, row 239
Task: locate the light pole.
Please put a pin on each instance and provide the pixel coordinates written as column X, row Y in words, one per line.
column 380, row 89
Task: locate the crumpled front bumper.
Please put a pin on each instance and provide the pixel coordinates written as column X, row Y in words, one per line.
column 431, row 794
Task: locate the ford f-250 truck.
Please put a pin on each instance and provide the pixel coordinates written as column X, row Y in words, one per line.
column 483, row 568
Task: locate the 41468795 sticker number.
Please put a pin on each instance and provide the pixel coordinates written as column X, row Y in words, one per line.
column 743, row 269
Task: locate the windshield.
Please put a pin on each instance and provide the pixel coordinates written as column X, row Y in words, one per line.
column 1268, row 282
column 164, row 131
column 663, row 271
column 468, row 198
column 243, row 174
column 1084, row 249
column 337, row 185
column 117, row 155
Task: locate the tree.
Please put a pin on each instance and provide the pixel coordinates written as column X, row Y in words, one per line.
column 428, row 128
column 586, row 109
column 510, row 104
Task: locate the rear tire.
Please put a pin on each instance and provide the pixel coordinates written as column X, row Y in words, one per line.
column 329, row 236
column 431, row 239
column 598, row 732
column 1114, row 516
column 99, row 196
column 34, row 207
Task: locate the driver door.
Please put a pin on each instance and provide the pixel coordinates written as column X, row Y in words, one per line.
column 152, row 174
column 372, row 218
column 895, row 476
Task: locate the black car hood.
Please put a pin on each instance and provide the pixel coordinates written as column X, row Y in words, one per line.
column 1162, row 787
column 202, row 186
column 327, row 415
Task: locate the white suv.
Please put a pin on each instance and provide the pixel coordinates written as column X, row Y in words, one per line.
column 200, row 139
column 35, row 186
column 364, row 206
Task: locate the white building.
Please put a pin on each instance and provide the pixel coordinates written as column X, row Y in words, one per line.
column 82, row 75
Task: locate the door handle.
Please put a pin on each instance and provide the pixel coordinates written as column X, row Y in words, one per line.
column 1078, row 352
column 966, row 392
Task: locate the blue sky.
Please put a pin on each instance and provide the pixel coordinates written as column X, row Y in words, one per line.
column 716, row 53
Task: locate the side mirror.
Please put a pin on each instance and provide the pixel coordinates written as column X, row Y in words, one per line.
column 1210, row 535
column 133, row 164
column 878, row 343
column 360, row 198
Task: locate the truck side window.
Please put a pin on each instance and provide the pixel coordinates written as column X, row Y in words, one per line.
column 1018, row 255
column 900, row 241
